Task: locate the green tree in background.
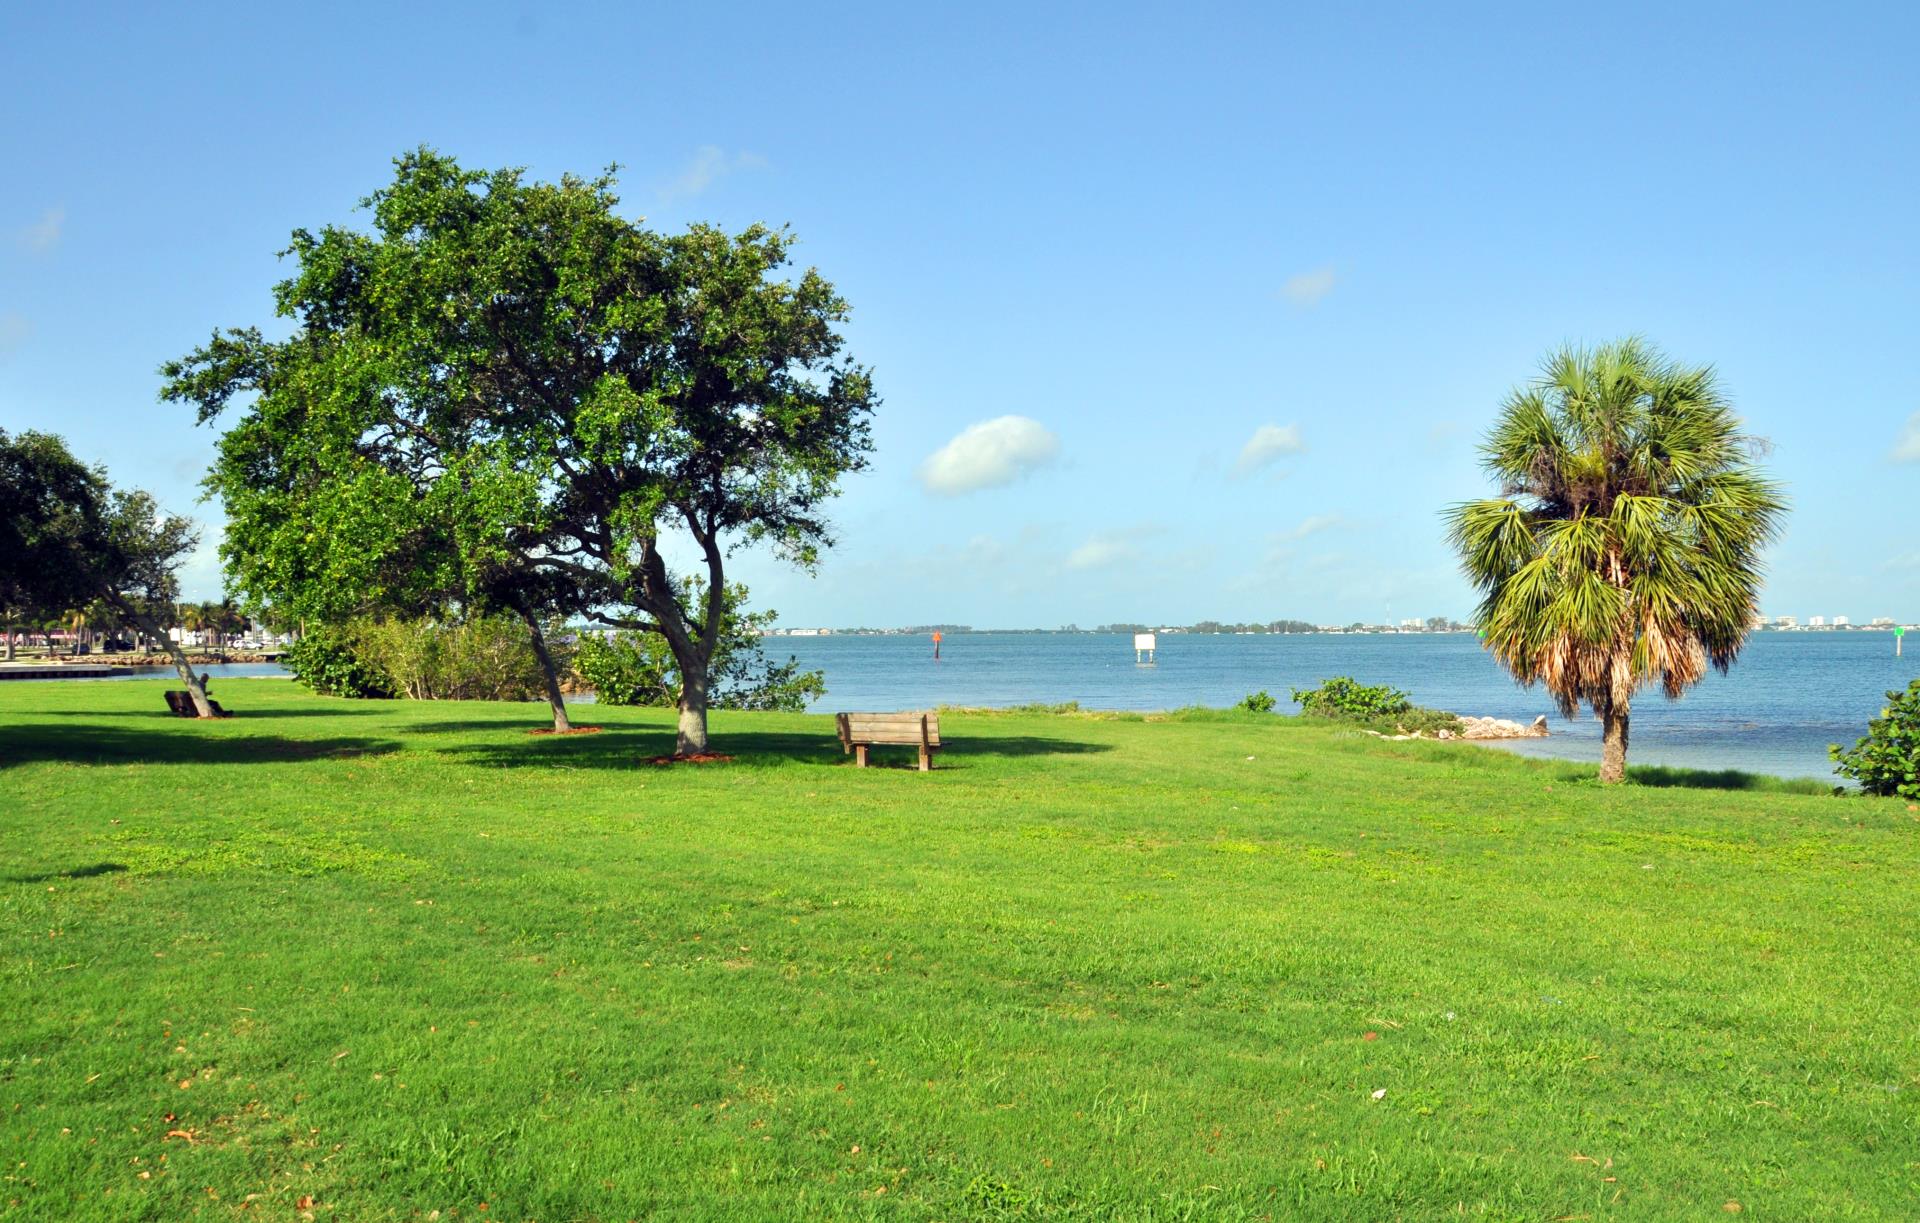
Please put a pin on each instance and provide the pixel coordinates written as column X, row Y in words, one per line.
column 1625, row 545
column 45, row 494
column 511, row 396
column 68, row 538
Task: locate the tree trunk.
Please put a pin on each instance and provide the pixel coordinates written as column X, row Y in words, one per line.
column 691, row 739
column 556, row 700
column 9, row 644
column 1613, row 747
column 196, row 684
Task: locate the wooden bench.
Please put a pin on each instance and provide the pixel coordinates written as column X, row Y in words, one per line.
column 859, row 731
column 181, row 702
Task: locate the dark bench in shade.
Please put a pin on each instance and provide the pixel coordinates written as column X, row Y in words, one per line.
column 181, row 702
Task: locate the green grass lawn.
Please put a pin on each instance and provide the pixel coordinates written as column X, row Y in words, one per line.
column 378, row 960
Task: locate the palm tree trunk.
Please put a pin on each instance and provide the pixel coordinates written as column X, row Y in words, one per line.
column 1613, row 743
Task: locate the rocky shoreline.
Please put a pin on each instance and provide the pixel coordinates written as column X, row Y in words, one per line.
column 1484, row 728
column 134, row 659
column 1498, row 728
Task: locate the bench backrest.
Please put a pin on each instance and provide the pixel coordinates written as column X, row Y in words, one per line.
column 889, row 728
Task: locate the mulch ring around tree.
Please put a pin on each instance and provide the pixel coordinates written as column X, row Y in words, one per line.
column 693, row 758
column 573, row 730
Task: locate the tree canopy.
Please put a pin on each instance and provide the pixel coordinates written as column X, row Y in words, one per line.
column 1625, row 545
column 510, row 394
column 68, row 538
column 50, row 503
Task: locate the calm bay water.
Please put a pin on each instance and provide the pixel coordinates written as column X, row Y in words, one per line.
column 1790, row 695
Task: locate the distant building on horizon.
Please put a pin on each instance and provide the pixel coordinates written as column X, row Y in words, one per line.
column 1816, row 622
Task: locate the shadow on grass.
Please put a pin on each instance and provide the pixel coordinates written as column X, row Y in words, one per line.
column 542, row 720
column 1723, row 779
column 342, row 710
column 243, row 712
column 633, row 747
column 78, row 872
column 193, row 743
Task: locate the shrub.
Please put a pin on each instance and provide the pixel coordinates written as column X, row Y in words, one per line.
column 327, row 661
column 626, row 668
column 1887, row 760
column 638, row 668
column 1258, row 702
column 1340, row 697
column 1387, row 710
column 1420, row 720
column 482, row 658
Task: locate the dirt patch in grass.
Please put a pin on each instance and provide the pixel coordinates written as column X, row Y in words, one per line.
column 574, row 730
column 693, row 758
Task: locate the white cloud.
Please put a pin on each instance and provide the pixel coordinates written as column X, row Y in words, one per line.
column 1103, row 550
column 1307, row 288
column 1313, row 525
column 1907, row 449
column 1280, row 544
column 990, row 454
column 1269, row 442
column 709, row 165
column 43, row 235
column 1144, row 547
column 14, row 330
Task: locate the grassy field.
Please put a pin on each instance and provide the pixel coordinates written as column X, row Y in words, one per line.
column 381, row 960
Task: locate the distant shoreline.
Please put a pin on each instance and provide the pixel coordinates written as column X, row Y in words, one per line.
column 1358, row 630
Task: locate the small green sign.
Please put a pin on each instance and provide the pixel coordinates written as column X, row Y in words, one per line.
column 1899, row 630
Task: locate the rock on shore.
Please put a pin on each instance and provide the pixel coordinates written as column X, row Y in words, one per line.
column 133, row 658
column 1498, row 728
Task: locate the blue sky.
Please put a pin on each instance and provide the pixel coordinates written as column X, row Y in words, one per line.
column 1248, row 283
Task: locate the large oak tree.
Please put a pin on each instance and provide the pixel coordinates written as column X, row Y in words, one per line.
column 508, row 394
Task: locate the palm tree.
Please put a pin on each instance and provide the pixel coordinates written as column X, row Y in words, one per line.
column 1625, row 544
column 212, row 626
column 223, row 620
column 193, row 619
